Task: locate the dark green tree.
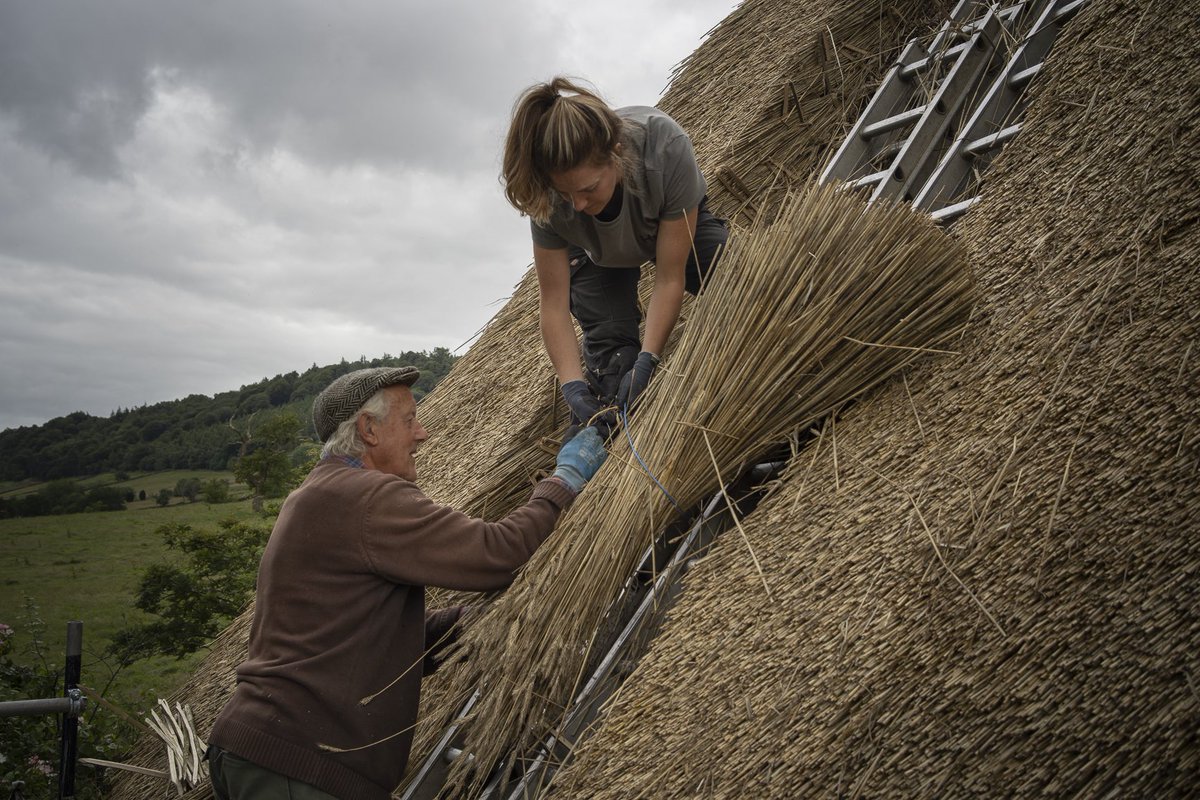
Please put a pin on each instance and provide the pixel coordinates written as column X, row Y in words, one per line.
column 215, row 491
column 265, row 465
column 163, row 497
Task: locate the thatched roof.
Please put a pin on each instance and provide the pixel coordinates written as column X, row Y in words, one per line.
column 985, row 583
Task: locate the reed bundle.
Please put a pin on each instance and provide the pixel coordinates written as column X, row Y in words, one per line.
column 804, row 315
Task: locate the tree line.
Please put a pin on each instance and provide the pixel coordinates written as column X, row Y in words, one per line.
column 66, row 496
column 196, row 432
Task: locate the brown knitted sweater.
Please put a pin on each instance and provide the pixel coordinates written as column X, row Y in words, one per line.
column 340, row 614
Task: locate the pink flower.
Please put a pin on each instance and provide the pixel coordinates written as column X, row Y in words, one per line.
column 41, row 766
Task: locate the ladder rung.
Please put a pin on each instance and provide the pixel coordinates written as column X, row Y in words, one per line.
column 955, row 210
column 924, row 63
column 1004, row 13
column 1068, row 10
column 892, row 123
column 869, row 180
column 985, row 143
column 1019, row 79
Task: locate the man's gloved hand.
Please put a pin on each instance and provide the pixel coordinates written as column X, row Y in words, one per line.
column 584, row 404
column 636, row 380
column 579, row 458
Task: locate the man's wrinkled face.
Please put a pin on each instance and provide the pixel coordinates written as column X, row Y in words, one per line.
column 400, row 434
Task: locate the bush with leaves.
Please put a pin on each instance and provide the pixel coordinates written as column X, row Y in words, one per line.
column 215, row 491
column 265, row 466
column 188, row 488
column 193, row 600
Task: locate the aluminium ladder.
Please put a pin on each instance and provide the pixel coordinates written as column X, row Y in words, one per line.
column 911, row 143
column 995, row 120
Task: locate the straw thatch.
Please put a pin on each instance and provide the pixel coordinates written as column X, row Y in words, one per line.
column 984, row 578
column 806, row 314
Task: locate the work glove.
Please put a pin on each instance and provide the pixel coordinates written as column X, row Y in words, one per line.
column 579, row 458
column 636, row 380
column 584, row 405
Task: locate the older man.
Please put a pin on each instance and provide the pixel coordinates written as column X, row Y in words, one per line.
column 340, row 610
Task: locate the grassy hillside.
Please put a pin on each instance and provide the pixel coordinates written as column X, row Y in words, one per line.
column 87, row 566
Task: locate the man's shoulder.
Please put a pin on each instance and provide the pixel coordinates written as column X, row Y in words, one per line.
column 334, row 476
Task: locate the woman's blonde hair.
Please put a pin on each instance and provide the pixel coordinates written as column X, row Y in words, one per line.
column 556, row 127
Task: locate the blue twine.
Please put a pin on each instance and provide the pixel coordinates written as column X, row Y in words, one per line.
column 632, row 447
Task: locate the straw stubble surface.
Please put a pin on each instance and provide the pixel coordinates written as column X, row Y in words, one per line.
column 984, row 578
column 806, row 314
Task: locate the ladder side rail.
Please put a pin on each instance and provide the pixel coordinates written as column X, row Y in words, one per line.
column 894, row 93
column 992, row 116
column 600, row 684
column 427, row 782
column 940, row 111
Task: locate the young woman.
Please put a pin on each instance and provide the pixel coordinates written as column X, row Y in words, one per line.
column 607, row 190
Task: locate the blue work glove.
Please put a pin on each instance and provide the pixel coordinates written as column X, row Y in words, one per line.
column 636, row 380
column 579, row 458
column 584, row 404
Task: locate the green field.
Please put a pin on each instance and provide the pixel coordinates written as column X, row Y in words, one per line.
column 150, row 482
column 86, row 567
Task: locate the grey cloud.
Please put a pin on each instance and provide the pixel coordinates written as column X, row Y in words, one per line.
column 335, row 82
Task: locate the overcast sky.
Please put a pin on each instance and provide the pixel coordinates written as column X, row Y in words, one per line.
column 198, row 195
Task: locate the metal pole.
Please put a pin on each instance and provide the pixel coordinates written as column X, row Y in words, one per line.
column 36, row 708
column 70, row 725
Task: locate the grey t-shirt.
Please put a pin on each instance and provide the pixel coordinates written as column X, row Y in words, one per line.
column 668, row 183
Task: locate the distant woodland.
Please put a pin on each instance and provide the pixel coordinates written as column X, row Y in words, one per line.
column 197, row 432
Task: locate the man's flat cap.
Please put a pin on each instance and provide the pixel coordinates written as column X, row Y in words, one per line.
column 342, row 399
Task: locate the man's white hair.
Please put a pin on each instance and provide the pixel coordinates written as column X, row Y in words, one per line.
column 345, row 441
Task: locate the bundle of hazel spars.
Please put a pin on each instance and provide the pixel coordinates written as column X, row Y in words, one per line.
column 803, row 314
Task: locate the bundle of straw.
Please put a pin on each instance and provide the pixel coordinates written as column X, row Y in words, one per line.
column 803, row 315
